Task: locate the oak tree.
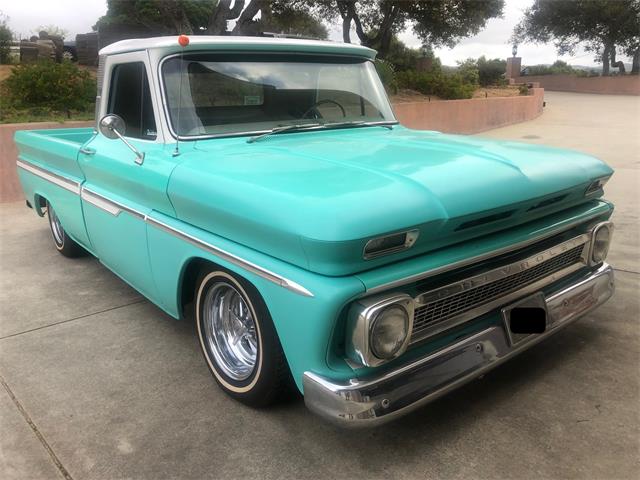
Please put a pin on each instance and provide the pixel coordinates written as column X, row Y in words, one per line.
column 604, row 27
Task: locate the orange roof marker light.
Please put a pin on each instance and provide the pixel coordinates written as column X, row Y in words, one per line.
column 183, row 40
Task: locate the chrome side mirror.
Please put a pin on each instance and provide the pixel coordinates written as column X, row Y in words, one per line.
column 112, row 126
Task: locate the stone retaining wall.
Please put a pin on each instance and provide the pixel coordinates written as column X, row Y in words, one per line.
column 617, row 85
column 470, row 116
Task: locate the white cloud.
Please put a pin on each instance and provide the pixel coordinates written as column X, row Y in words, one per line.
column 74, row 16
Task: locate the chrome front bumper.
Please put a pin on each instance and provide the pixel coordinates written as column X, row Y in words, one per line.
column 375, row 400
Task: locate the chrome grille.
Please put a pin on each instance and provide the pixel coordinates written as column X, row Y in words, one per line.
column 431, row 315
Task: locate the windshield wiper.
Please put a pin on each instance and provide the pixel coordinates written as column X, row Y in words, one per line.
column 283, row 128
column 304, row 126
column 358, row 123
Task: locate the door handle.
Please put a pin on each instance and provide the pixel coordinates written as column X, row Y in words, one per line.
column 88, row 151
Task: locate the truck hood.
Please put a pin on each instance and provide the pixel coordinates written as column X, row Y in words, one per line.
column 315, row 198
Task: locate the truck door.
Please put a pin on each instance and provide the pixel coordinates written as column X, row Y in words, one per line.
column 118, row 192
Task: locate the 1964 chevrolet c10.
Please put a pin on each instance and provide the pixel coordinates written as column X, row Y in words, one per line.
column 266, row 184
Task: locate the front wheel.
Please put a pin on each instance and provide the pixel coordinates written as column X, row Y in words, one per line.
column 63, row 243
column 239, row 341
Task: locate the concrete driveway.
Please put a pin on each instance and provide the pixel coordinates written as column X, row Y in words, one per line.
column 98, row 383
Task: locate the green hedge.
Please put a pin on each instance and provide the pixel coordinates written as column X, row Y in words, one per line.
column 448, row 86
column 387, row 74
column 47, row 90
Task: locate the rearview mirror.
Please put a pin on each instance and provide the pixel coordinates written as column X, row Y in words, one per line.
column 112, row 126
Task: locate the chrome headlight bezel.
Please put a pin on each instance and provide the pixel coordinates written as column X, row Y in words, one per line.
column 596, row 185
column 360, row 327
column 600, row 227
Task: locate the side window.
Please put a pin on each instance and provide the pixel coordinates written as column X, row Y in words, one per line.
column 130, row 98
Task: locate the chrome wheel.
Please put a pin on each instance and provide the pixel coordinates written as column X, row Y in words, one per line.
column 230, row 331
column 56, row 227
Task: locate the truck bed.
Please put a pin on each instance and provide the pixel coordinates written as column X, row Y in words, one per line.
column 79, row 136
column 54, row 150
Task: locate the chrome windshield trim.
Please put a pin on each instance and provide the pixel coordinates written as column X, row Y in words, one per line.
column 181, row 138
column 64, row 182
column 108, row 205
column 478, row 258
column 503, row 271
column 262, row 132
column 245, row 264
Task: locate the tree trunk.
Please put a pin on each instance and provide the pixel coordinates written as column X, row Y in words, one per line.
column 346, row 20
column 386, row 32
column 617, row 64
column 635, row 66
column 266, row 18
column 346, row 29
column 351, row 11
column 222, row 13
column 246, row 18
column 606, row 54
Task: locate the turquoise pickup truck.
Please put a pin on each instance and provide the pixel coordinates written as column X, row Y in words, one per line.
column 264, row 188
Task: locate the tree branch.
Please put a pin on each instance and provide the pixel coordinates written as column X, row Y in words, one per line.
column 346, row 20
column 247, row 15
column 222, row 13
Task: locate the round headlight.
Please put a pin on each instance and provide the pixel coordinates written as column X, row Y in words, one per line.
column 389, row 332
column 601, row 241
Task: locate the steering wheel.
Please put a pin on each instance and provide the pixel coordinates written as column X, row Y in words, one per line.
column 315, row 106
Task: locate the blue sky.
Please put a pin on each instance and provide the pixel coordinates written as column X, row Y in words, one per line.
column 77, row 16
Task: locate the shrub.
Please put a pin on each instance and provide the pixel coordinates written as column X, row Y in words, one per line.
column 387, row 75
column 468, row 71
column 558, row 67
column 56, row 87
column 448, row 86
column 6, row 36
column 400, row 56
column 491, row 72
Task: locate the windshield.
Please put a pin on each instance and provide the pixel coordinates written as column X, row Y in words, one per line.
column 247, row 94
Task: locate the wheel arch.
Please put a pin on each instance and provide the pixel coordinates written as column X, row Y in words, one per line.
column 191, row 271
column 39, row 202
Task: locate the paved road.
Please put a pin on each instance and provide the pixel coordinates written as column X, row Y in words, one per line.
column 98, row 383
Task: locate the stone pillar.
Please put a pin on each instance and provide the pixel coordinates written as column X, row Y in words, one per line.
column 513, row 67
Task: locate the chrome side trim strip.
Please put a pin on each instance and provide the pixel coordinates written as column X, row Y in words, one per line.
column 478, row 258
column 218, row 252
column 115, row 208
column 64, row 182
column 109, row 206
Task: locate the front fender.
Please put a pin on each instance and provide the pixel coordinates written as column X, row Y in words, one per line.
column 304, row 321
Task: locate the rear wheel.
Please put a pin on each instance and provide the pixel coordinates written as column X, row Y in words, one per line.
column 239, row 341
column 63, row 243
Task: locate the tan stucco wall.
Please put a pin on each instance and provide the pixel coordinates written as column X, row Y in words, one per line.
column 453, row 116
column 620, row 85
column 470, row 116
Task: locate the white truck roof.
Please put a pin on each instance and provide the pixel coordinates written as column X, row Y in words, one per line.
column 169, row 45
